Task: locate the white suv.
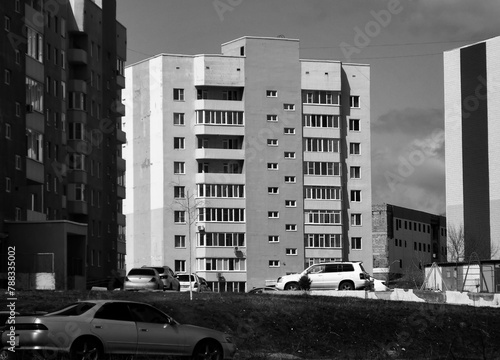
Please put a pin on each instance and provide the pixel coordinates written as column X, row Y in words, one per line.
column 329, row 276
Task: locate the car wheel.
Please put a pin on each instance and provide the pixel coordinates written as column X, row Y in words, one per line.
column 86, row 349
column 346, row 285
column 292, row 286
column 207, row 350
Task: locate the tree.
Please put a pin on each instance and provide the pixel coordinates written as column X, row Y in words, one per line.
column 456, row 243
column 461, row 246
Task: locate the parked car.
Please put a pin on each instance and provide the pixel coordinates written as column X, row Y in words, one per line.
column 185, row 283
column 263, row 290
column 329, row 276
column 100, row 328
column 143, row 279
column 167, row 277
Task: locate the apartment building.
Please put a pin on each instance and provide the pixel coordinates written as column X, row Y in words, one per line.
column 472, row 93
column 61, row 180
column 247, row 165
column 405, row 240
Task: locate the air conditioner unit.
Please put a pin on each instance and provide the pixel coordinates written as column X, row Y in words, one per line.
column 29, row 108
column 201, row 228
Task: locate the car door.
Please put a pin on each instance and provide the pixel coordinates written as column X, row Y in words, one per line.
column 332, row 276
column 317, row 275
column 114, row 325
column 156, row 332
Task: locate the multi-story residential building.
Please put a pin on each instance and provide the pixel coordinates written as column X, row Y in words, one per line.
column 61, row 180
column 405, row 240
column 472, row 93
column 249, row 164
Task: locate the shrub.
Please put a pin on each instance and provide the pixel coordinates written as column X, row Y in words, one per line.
column 305, row 283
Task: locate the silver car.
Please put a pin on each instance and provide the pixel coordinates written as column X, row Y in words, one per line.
column 95, row 329
column 143, row 279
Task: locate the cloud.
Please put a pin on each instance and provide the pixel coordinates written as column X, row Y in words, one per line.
column 462, row 19
column 408, row 159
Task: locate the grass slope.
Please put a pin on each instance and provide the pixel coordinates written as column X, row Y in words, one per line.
column 314, row 327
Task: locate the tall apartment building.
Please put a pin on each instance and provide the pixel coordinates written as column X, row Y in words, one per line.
column 61, row 180
column 472, row 104
column 247, row 165
column 405, row 240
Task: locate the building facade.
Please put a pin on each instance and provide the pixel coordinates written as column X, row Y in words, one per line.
column 405, row 240
column 62, row 174
column 247, row 165
column 472, row 102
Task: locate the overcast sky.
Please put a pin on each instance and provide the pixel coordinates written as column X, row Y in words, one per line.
column 402, row 40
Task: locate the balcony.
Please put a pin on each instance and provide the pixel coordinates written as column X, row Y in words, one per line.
column 317, row 132
column 229, row 154
column 120, row 219
column 77, row 116
column 77, row 177
column 233, row 130
column 77, row 56
column 77, row 207
column 35, row 121
column 120, row 164
column 34, row 171
column 35, row 216
column 77, row 86
column 121, row 137
column 217, row 70
column 219, row 178
column 118, row 108
column 225, row 105
column 120, row 81
column 120, row 191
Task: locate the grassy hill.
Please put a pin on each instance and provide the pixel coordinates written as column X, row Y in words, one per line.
column 315, row 327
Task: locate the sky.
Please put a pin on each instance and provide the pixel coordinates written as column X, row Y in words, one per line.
column 402, row 40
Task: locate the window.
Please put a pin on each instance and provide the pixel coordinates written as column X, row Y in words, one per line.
column 77, row 101
column 321, row 97
column 356, row 243
column 290, row 203
column 7, row 184
column 80, row 192
column 291, row 251
column 179, row 119
column 321, row 168
column 179, row 167
column 178, row 143
column 272, row 142
column 322, row 121
column 321, row 145
column 289, row 131
column 7, row 23
column 179, row 94
column 219, row 117
column 273, row 214
column 221, row 214
column 221, row 190
column 356, row 195
column 180, row 241
column 354, row 148
column 221, row 264
column 290, row 179
column 18, row 109
column 76, row 161
column 274, row 263
column 220, row 239
column 35, row 44
column 272, row 190
column 7, row 76
column 272, row 117
column 76, row 131
column 271, row 93
column 354, row 101
column 272, row 166
column 289, row 107
column 34, row 145
column 17, row 6
column 273, row 238
column 63, row 28
column 17, row 56
column 323, row 240
column 355, row 172
column 355, row 219
column 322, row 217
column 289, row 155
column 323, row 193
column 180, row 266
column 353, row 124
column 18, row 162
column 291, row 227
column 179, row 192
column 8, row 131
column 179, row 217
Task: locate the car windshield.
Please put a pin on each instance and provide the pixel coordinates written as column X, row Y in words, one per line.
column 146, row 272
column 362, row 268
column 73, row 309
column 185, row 278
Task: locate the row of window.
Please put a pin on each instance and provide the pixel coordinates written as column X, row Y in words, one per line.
column 413, row 225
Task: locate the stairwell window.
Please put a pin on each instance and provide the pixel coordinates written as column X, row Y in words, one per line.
column 354, row 101
column 274, row 263
column 179, row 167
column 178, row 94
column 356, row 243
column 272, row 166
column 272, row 93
